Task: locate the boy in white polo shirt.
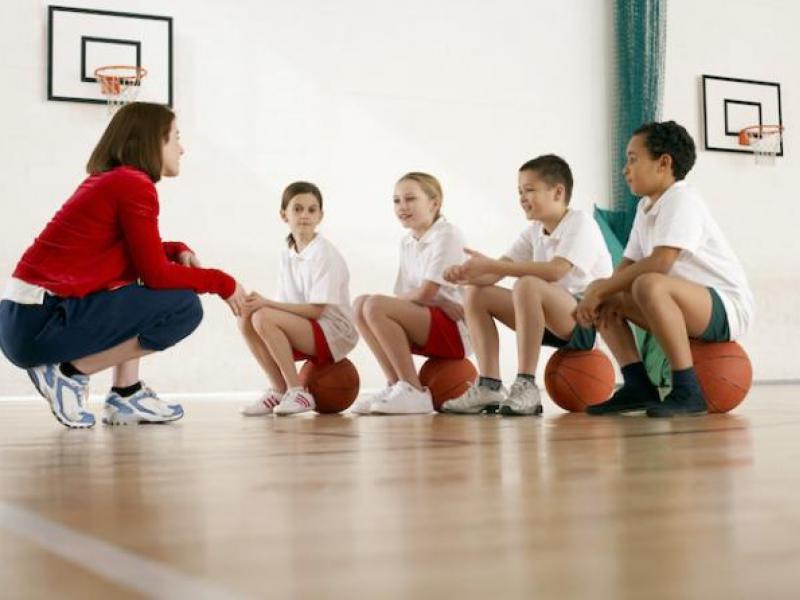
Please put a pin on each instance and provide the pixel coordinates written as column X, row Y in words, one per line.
column 311, row 318
column 679, row 278
column 554, row 259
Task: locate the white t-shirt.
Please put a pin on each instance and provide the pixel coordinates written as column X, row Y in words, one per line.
column 426, row 259
column 577, row 238
column 681, row 219
column 319, row 275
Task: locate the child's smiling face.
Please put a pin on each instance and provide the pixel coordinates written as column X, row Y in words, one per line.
column 539, row 200
column 414, row 208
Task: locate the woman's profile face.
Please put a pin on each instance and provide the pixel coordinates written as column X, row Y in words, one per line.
column 171, row 152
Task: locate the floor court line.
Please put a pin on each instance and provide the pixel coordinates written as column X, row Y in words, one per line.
column 121, row 567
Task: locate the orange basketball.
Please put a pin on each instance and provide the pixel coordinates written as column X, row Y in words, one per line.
column 333, row 385
column 576, row 379
column 447, row 378
column 725, row 374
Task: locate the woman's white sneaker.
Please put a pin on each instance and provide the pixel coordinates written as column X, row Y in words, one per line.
column 294, row 401
column 404, row 399
column 264, row 405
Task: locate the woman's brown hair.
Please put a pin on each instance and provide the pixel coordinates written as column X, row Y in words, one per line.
column 295, row 189
column 135, row 137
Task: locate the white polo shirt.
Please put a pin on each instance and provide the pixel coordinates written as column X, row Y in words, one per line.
column 681, row 219
column 319, row 275
column 426, row 259
column 577, row 238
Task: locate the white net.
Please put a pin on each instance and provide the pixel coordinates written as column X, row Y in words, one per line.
column 119, row 84
column 765, row 140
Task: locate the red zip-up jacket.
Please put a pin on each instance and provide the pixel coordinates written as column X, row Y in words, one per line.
column 106, row 236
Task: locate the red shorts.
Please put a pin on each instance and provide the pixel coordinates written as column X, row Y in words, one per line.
column 444, row 339
column 322, row 351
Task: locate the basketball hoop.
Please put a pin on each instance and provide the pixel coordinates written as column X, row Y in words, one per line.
column 119, row 84
column 765, row 141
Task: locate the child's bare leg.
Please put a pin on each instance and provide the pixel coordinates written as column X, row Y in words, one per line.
column 538, row 303
column 374, row 345
column 397, row 323
column 261, row 353
column 482, row 305
column 676, row 310
column 282, row 331
column 616, row 331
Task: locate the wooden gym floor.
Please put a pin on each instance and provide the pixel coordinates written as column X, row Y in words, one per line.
column 566, row 506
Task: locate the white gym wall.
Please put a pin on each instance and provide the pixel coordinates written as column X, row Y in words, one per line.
column 350, row 95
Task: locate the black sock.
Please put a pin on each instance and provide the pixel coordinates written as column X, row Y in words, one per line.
column 527, row 377
column 129, row 390
column 68, row 369
column 635, row 375
column 686, row 379
column 490, row 382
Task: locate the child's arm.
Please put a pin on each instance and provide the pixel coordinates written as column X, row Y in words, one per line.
column 307, row 311
column 660, row 261
column 482, row 270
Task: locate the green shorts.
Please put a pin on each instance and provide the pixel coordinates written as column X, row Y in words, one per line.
column 717, row 330
column 582, row 338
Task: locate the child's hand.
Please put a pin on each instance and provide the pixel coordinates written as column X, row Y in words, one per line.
column 453, row 274
column 452, row 309
column 610, row 311
column 188, row 259
column 253, row 301
column 587, row 310
column 477, row 265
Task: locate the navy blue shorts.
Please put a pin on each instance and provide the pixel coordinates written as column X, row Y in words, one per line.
column 64, row 329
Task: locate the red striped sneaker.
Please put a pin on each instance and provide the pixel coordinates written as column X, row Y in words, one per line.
column 263, row 406
column 295, row 400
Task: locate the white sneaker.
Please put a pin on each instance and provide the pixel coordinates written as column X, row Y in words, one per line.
column 404, row 399
column 264, row 405
column 475, row 400
column 363, row 405
column 523, row 399
column 295, row 400
column 142, row 407
column 66, row 395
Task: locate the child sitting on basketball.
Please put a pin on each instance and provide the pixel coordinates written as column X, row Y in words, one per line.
column 679, row 278
column 425, row 316
column 553, row 259
column 311, row 318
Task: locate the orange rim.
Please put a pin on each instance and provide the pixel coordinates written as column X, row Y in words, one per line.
column 746, row 133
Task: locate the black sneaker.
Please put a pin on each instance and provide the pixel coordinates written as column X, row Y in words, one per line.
column 626, row 399
column 679, row 403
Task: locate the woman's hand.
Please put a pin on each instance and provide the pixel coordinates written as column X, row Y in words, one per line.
column 188, row 259
column 237, row 300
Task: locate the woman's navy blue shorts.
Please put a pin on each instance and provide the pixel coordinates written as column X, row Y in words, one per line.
column 65, row 329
